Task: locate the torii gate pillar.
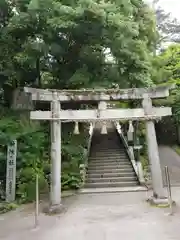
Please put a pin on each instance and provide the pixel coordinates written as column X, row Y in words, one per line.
column 55, row 195
column 153, row 153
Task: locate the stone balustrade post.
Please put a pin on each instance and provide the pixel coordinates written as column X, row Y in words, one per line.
column 103, row 106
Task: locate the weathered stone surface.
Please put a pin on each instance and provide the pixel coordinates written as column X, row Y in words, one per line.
column 108, row 114
column 153, row 153
column 11, row 171
column 98, row 94
column 170, row 158
column 22, row 100
column 54, row 209
column 55, row 196
column 158, row 202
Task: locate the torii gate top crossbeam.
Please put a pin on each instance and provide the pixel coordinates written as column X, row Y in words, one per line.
column 97, row 94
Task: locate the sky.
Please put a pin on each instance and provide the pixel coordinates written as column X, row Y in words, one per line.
column 172, row 6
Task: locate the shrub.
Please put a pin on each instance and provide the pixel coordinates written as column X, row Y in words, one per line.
column 33, row 154
column 6, row 207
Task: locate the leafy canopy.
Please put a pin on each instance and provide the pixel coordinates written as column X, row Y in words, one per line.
column 167, row 70
column 76, row 43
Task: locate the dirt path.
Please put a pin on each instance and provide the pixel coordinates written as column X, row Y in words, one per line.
column 97, row 216
column 105, row 216
column 171, row 159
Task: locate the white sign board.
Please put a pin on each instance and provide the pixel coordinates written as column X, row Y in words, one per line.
column 11, row 171
column 138, row 147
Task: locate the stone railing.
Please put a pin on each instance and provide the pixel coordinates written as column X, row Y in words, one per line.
column 130, row 151
column 83, row 167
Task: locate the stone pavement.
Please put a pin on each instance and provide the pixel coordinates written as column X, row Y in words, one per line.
column 170, row 158
column 108, row 216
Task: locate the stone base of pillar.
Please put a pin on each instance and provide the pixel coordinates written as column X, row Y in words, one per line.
column 54, row 209
column 159, row 202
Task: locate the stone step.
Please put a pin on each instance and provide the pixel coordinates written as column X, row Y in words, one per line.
column 112, row 155
column 107, row 148
column 103, row 171
column 106, row 161
column 112, row 152
column 111, row 175
column 114, row 147
column 110, row 164
column 107, row 144
column 102, row 141
column 108, row 153
column 123, row 167
column 110, row 169
column 111, row 184
column 115, row 179
column 109, row 159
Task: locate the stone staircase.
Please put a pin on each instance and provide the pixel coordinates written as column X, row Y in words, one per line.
column 108, row 164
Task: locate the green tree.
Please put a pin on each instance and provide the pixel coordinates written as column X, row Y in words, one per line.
column 64, row 44
column 168, row 65
column 167, row 70
column 69, row 44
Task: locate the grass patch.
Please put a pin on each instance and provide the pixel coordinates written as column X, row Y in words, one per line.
column 7, row 207
column 176, row 149
column 160, row 205
column 144, row 161
column 68, row 193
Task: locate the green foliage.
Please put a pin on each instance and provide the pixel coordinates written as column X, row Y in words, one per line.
column 33, row 155
column 141, row 134
column 26, row 184
column 167, row 70
column 169, row 64
column 73, row 154
column 66, row 44
column 76, row 44
column 70, row 180
column 6, row 207
column 176, row 149
column 144, row 161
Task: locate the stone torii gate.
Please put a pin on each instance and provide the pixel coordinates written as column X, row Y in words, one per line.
column 147, row 113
